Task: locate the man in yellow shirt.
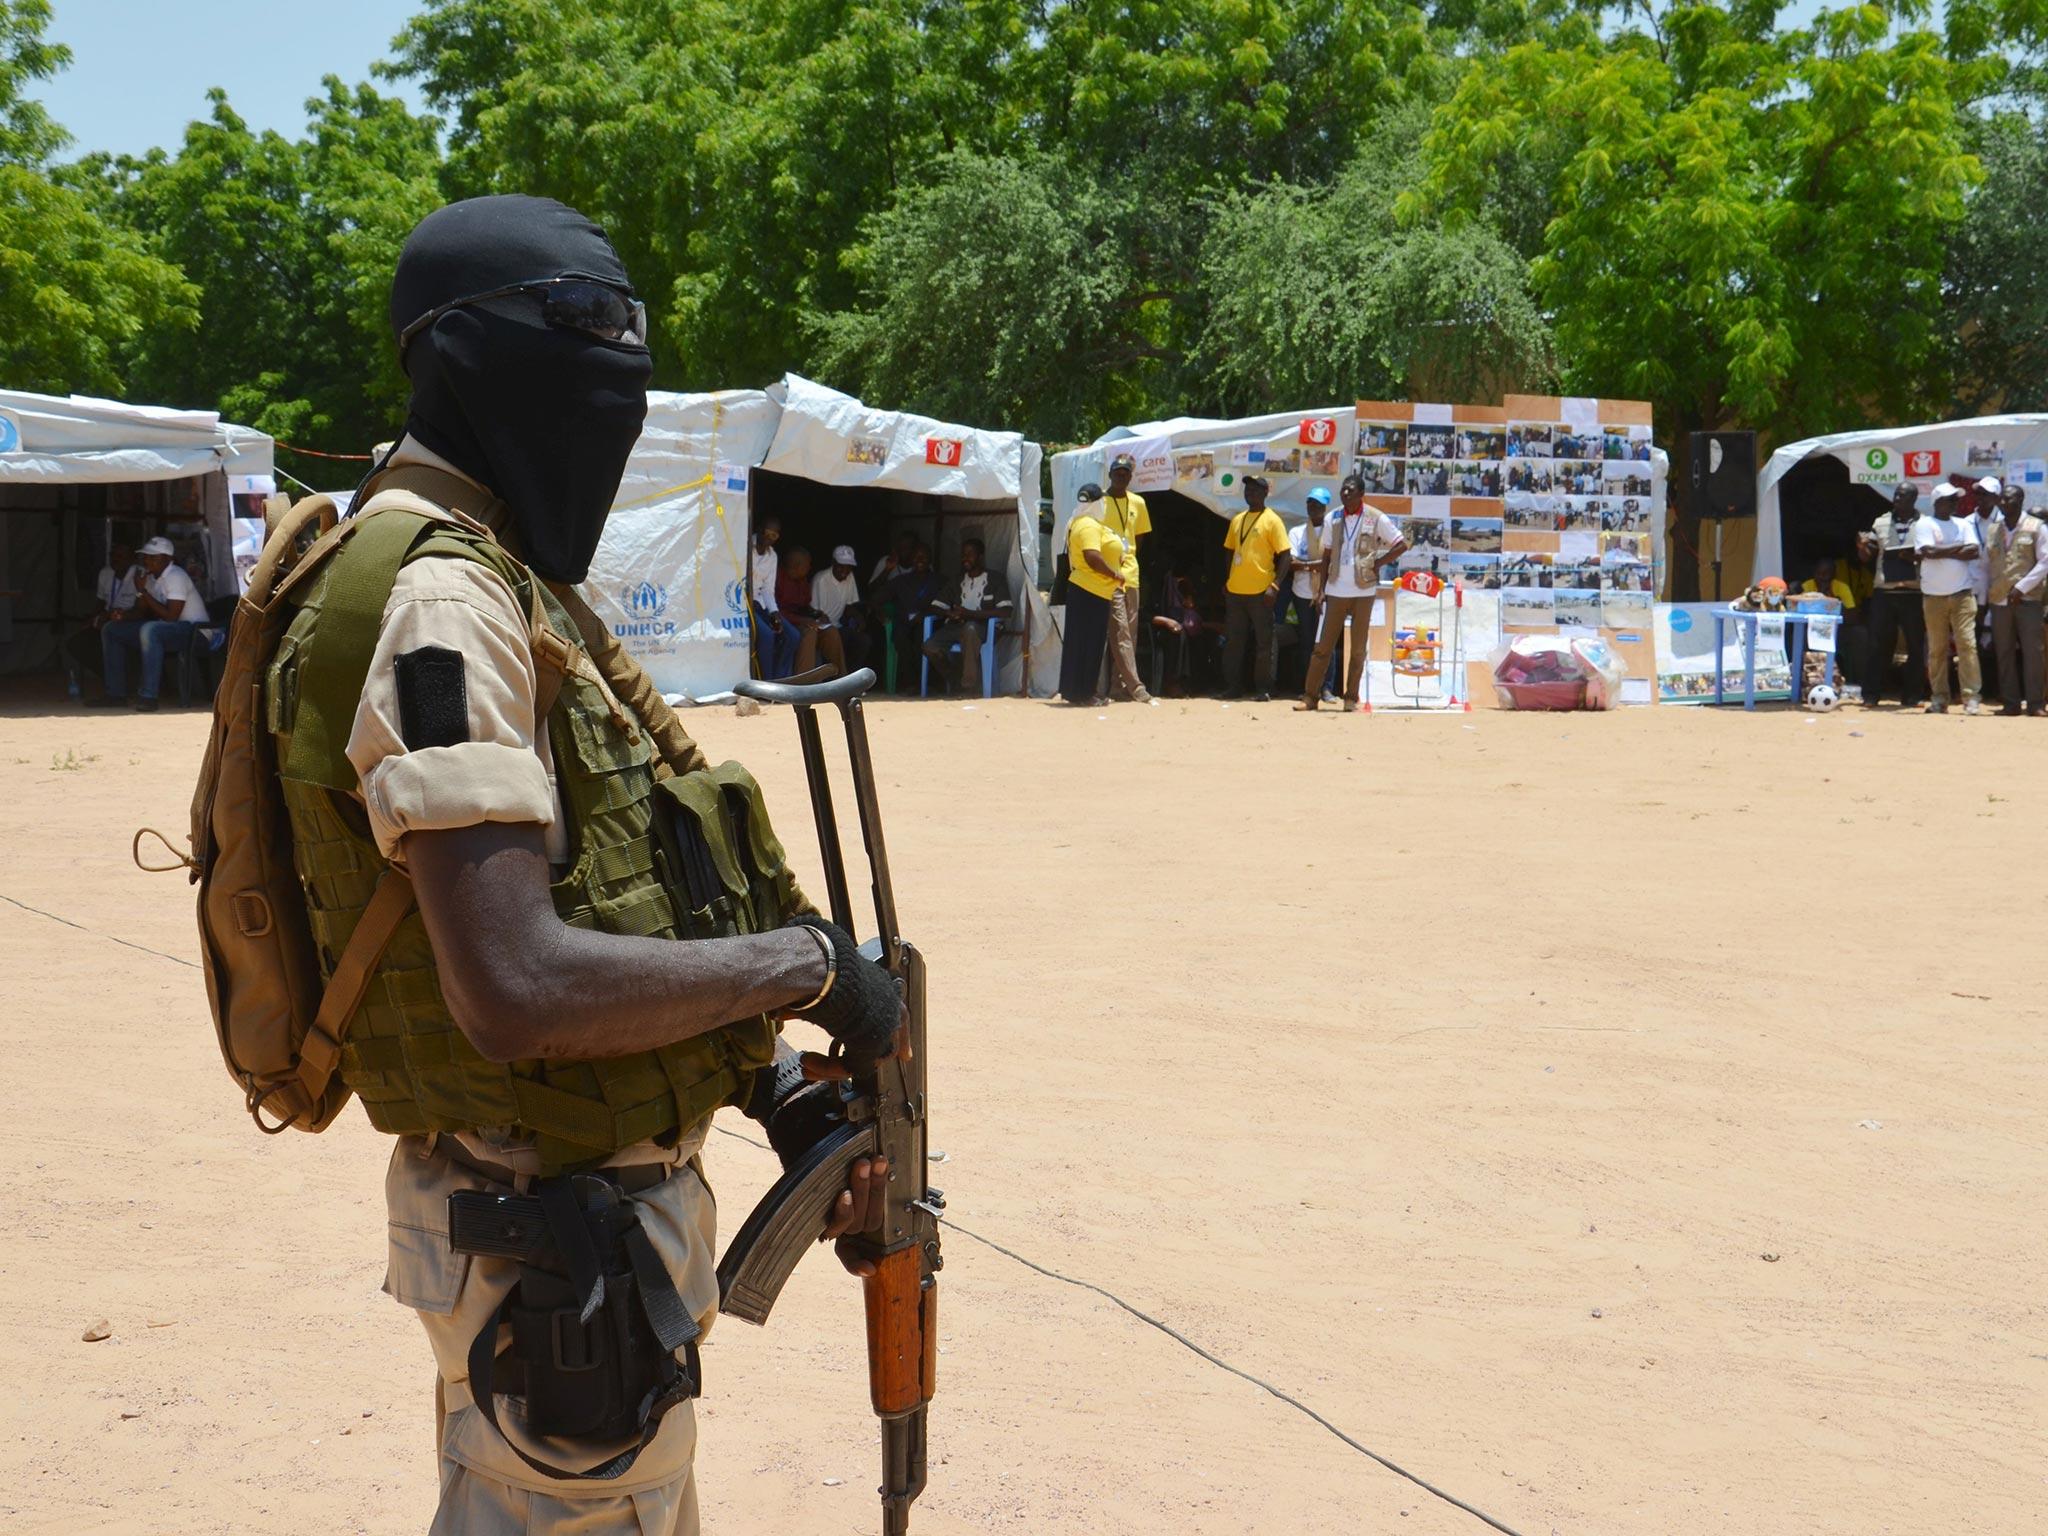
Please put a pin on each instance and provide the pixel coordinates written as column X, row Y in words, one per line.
column 1123, row 514
column 1094, row 577
column 1260, row 553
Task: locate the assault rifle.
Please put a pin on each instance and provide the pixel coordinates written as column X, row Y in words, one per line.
column 885, row 1117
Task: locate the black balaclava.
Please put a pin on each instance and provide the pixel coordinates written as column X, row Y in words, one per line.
column 544, row 416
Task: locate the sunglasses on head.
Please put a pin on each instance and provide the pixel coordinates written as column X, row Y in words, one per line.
column 567, row 303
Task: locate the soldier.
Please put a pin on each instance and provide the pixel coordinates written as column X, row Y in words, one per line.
column 532, row 1019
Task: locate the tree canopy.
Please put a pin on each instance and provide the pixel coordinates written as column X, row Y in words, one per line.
column 1060, row 214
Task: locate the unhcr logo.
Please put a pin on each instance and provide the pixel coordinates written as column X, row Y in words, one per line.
column 644, row 603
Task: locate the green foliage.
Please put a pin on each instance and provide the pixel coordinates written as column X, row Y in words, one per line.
column 1997, row 284
column 1317, row 293
column 998, row 290
column 1745, row 223
column 74, row 291
column 1063, row 213
column 27, row 136
column 292, row 244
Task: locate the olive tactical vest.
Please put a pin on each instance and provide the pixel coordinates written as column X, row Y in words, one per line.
column 652, row 853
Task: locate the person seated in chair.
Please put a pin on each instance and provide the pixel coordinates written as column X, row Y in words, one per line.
column 118, row 580
column 817, row 640
column 966, row 609
column 168, row 611
column 835, row 598
column 910, row 592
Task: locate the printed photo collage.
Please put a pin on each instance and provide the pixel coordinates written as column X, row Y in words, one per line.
column 1577, row 543
column 1429, row 467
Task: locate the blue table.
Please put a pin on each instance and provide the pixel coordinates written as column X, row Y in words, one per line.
column 1795, row 620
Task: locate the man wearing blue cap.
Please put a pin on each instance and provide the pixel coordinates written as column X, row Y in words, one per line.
column 1304, row 595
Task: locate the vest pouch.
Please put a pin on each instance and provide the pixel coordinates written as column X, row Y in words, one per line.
column 701, row 865
column 771, row 888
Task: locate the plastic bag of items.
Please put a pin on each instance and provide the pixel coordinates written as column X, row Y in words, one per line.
column 1552, row 672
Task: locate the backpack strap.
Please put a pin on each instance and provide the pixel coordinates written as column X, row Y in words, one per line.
column 320, row 1052
column 333, row 669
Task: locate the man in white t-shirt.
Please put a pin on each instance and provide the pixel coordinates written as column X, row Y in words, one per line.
column 835, row 593
column 1946, row 545
column 1361, row 540
column 1304, row 595
column 775, row 638
column 168, row 612
column 115, row 593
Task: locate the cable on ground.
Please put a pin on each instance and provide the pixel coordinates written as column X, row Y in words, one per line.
column 110, row 938
column 1216, row 1360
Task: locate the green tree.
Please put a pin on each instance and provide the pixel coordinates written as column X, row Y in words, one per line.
column 1996, row 288
column 1748, row 225
column 1320, row 293
column 74, row 292
column 292, row 244
column 999, row 289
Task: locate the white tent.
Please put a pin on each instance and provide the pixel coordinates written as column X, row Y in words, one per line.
column 1204, row 459
column 164, row 470
column 2011, row 447
column 670, row 575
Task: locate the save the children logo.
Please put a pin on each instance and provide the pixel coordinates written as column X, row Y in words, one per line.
column 1923, row 461
column 943, row 451
column 1319, row 431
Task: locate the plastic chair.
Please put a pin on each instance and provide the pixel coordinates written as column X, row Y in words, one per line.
column 195, row 663
column 988, row 655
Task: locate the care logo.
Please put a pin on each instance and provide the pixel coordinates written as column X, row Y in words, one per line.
column 1319, row 431
column 644, row 601
column 943, row 451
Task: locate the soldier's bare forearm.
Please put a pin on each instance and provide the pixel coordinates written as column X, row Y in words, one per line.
column 523, row 985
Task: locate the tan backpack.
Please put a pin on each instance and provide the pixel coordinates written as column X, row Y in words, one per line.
column 280, row 1029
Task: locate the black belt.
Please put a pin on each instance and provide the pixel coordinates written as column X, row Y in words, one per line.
column 630, row 1178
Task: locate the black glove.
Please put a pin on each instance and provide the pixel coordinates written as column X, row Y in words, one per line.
column 796, row 1115
column 863, row 1008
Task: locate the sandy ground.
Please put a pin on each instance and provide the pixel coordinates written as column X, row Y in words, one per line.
column 1630, row 1124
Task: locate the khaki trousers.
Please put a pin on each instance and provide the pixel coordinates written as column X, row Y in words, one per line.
column 485, row 1489
column 1335, row 611
column 1952, row 618
column 1124, row 682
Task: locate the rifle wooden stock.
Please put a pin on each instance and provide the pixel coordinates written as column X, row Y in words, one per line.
column 903, row 1337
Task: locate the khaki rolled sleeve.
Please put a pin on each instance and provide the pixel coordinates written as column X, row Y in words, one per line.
column 503, row 772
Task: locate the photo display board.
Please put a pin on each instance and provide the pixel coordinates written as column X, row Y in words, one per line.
column 1438, row 471
column 1582, row 542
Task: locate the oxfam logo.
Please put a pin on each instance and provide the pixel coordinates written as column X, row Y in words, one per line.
column 643, row 600
column 1878, row 458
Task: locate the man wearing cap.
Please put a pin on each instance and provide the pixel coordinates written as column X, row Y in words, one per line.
column 1304, row 593
column 1895, row 608
column 1124, row 515
column 1946, row 544
column 168, row 610
column 2017, row 553
column 835, row 595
